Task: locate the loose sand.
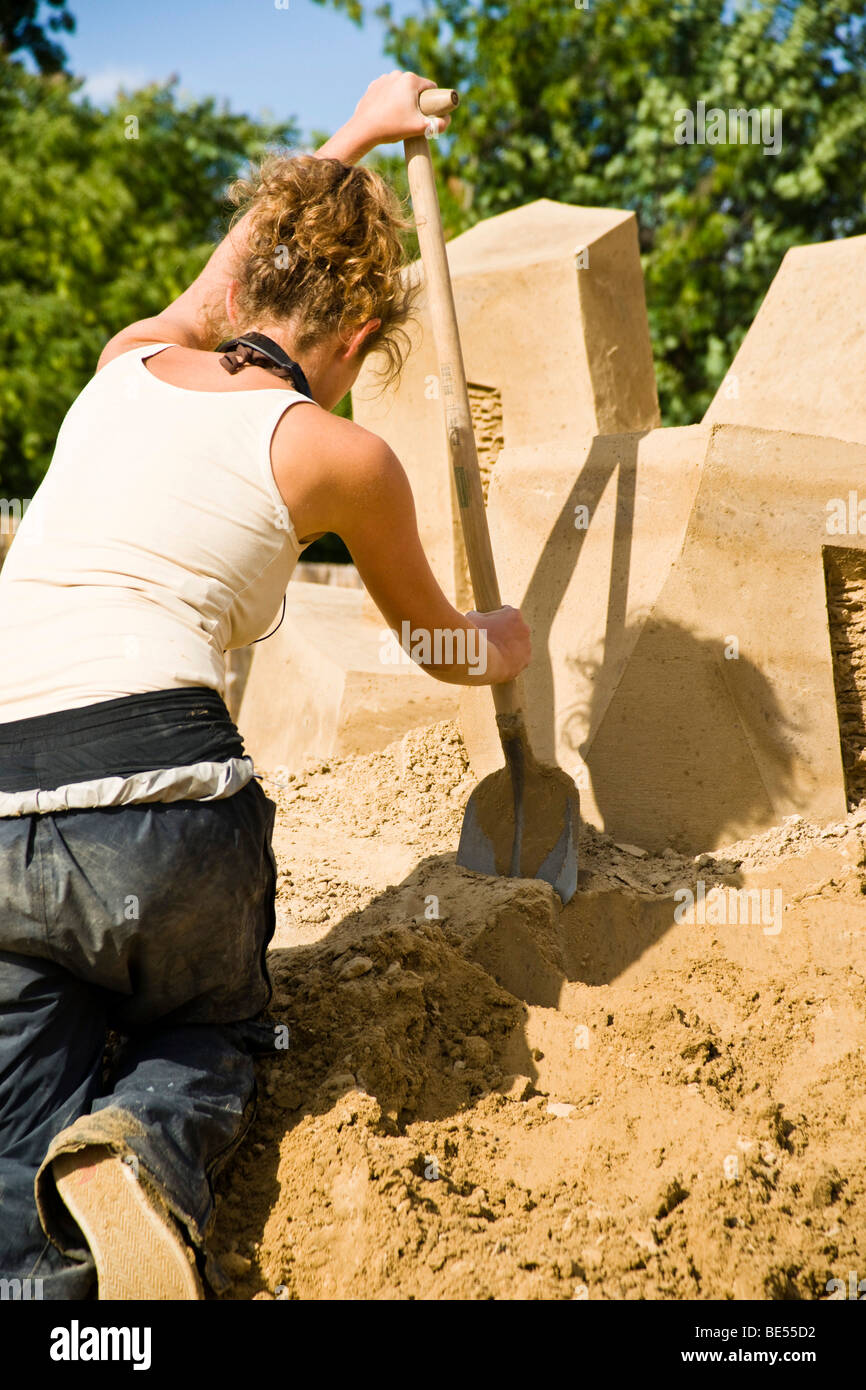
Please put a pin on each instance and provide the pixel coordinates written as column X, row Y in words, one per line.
column 487, row 1096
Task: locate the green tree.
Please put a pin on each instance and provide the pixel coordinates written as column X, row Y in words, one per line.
column 21, row 31
column 106, row 216
column 580, row 105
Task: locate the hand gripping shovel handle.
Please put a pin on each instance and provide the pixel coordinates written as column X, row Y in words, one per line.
column 439, row 101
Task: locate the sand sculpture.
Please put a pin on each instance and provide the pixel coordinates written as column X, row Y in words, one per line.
column 697, row 595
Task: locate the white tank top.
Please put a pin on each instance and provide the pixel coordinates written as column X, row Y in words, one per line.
column 157, row 540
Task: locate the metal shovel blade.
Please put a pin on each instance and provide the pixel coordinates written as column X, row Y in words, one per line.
column 523, row 821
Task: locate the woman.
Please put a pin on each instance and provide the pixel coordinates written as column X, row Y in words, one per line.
column 136, row 873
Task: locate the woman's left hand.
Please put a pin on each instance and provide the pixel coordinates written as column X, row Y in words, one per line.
column 388, row 110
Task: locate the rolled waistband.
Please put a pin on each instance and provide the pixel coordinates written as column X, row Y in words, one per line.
column 117, row 738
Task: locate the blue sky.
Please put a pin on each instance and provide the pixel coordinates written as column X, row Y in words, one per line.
column 306, row 61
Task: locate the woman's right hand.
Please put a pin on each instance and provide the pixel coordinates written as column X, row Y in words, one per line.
column 510, row 639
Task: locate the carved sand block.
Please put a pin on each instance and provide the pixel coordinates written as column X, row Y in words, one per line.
column 552, row 313
column 732, row 689
column 720, row 685
column 585, row 534
column 802, row 364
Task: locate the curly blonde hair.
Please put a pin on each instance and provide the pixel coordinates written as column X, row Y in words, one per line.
column 325, row 251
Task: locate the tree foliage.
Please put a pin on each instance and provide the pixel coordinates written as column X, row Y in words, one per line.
column 97, row 229
column 579, row 104
column 22, row 31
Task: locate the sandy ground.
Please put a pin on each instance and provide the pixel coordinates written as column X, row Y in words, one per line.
column 485, row 1095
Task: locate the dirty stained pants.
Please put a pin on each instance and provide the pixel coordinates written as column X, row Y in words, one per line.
column 153, row 921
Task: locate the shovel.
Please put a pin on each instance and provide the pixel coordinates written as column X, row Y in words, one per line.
column 523, row 820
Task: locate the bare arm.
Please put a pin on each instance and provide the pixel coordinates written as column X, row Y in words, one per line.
column 387, row 111
column 335, row 476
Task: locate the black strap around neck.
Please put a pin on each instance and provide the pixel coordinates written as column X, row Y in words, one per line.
column 258, row 350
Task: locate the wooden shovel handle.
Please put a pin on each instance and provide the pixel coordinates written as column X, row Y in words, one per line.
column 452, row 376
column 438, row 101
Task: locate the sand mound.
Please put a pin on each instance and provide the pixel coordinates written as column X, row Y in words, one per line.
column 488, row 1096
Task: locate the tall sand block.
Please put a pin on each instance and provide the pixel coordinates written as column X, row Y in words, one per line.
column 552, row 314
column 585, row 535
column 318, row 689
column 714, row 711
column 802, row 364
column 728, row 711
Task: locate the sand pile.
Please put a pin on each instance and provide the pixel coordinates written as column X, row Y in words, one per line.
column 485, row 1095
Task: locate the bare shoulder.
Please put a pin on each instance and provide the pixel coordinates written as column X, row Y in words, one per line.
column 338, row 451
column 161, row 329
column 329, row 469
column 337, row 441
